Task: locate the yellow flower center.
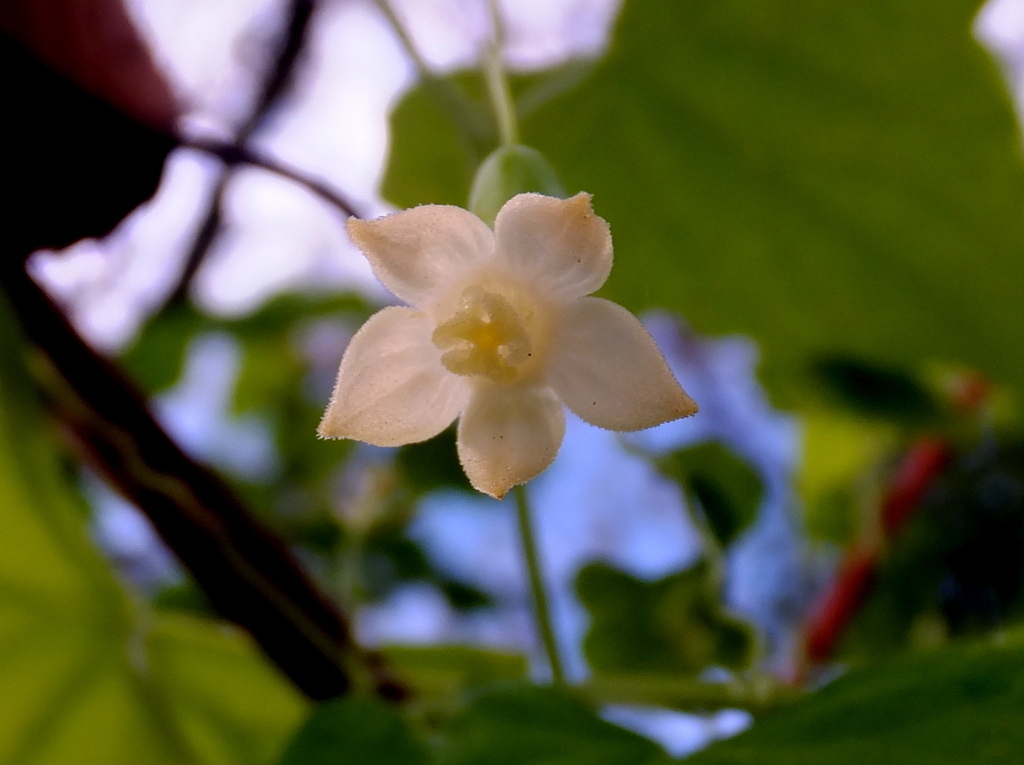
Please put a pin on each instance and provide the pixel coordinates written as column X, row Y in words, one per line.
column 486, row 337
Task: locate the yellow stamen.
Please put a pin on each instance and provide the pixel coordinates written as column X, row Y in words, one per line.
column 485, row 337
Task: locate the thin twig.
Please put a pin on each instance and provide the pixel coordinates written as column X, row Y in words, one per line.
column 471, row 122
column 497, row 82
column 405, row 40
column 501, row 97
column 201, row 243
column 232, row 155
column 498, row 29
column 282, row 72
column 275, row 85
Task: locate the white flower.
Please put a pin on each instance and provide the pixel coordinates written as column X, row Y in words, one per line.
column 499, row 332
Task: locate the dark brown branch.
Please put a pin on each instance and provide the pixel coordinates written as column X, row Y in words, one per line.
column 279, row 79
column 81, row 166
column 247, row 574
column 232, row 154
column 277, row 82
column 201, row 244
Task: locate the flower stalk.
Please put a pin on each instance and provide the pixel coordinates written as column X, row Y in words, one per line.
column 501, row 97
column 541, row 605
column 497, row 83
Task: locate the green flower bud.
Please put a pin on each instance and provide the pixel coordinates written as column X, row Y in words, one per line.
column 507, row 171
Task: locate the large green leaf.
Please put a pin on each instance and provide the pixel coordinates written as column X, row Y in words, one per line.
column 87, row 674
column 962, row 704
column 830, row 178
column 361, row 731
column 528, row 725
column 507, row 724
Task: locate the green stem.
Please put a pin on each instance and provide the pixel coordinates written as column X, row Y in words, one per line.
column 473, row 128
column 497, row 83
column 404, row 40
column 712, row 550
column 501, row 98
column 540, row 598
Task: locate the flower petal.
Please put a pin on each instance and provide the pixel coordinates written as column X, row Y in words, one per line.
column 419, row 252
column 392, row 388
column 561, row 242
column 608, row 370
column 508, row 435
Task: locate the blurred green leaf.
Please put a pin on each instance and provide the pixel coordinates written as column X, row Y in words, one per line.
column 390, row 558
column 839, row 473
column 828, row 178
column 530, row 725
column 281, row 313
column 444, row 673
column 274, row 383
column 961, row 704
column 87, row 675
column 728, row 489
column 464, row 597
column 154, row 360
column 361, row 731
column 428, row 160
column 433, row 464
column 675, row 624
column 182, row 598
column 886, row 393
column 957, row 566
column 210, row 682
column 271, row 372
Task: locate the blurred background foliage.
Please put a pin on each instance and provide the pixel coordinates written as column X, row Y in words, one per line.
column 843, row 184
column 90, row 673
column 830, row 182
